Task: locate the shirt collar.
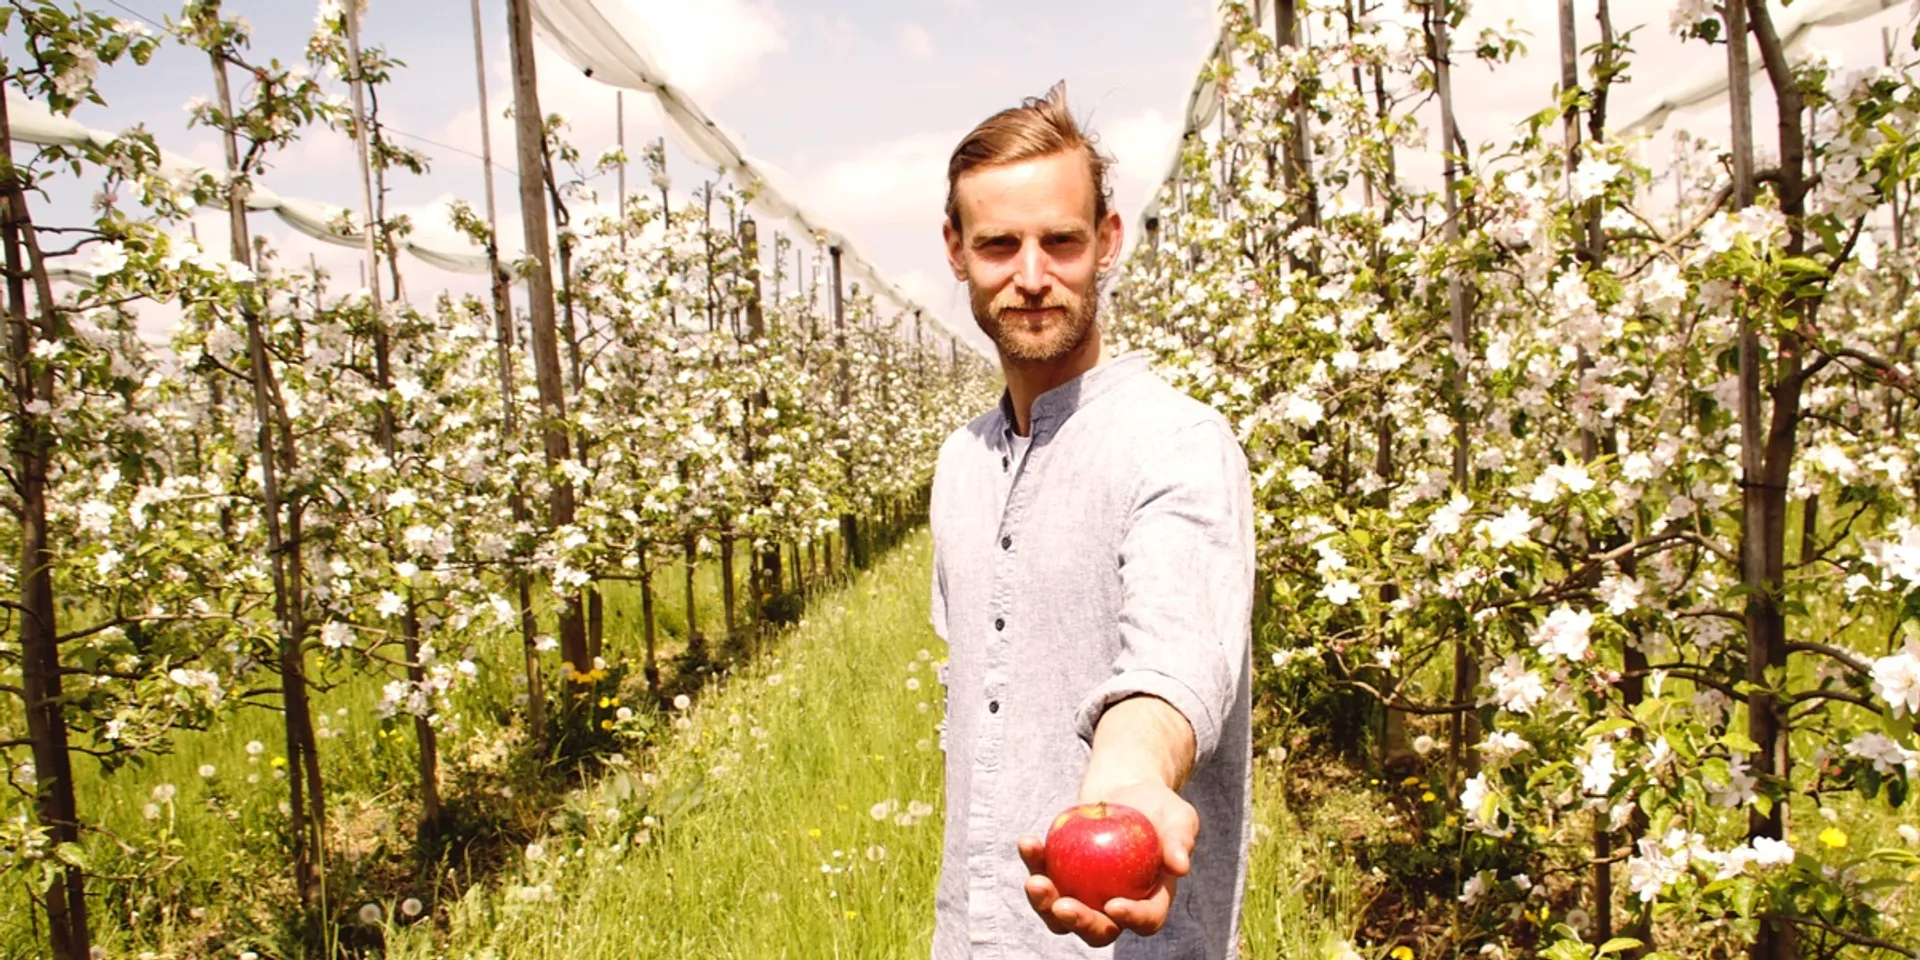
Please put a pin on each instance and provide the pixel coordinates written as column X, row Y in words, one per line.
column 1052, row 408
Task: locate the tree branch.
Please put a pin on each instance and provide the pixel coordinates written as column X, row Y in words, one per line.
column 1857, row 939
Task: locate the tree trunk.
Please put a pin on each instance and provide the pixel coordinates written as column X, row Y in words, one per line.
column 55, row 807
column 427, row 758
column 1466, row 666
column 690, row 550
column 646, row 620
column 1297, row 171
column 546, row 348
column 278, row 457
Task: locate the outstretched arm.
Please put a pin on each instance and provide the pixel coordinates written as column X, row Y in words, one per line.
column 1143, row 751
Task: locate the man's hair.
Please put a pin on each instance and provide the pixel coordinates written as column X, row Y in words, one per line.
column 1038, row 127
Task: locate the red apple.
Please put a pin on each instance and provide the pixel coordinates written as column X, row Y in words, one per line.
column 1099, row 851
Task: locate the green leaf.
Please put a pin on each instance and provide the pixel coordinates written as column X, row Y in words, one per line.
column 1740, row 742
column 72, row 855
column 1618, row 944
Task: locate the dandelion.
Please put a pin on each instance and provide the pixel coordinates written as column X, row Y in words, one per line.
column 814, row 832
column 370, row 913
column 682, row 702
column 1402, row 952
column 913, row 683
column 1908, row 832
column 1833, row 837
column 255, row 748
column 876, row 853
column 163, row 793
column 1423, row 744
column 411, row 906
column 536, row 852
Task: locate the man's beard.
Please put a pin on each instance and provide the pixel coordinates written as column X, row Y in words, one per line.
column 1043, row 340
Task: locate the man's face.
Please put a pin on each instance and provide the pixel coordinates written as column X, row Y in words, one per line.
column 1031, row 253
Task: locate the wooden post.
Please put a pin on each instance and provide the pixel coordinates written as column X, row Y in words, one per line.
column 510, row 419
column 546, row 347
column 620, row 131
column 849, row 522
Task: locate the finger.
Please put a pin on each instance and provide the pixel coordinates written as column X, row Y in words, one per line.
column 1181, row 828
column 1086, row 923
column 1144, row 917
column 1042, row 896
column 1033, row 851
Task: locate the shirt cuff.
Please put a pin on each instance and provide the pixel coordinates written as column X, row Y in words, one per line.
column 1153, row 683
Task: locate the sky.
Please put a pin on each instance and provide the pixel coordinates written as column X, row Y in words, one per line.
column 859, row 102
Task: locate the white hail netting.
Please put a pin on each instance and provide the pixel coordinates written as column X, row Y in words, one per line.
column 32, row 122
column 1203, row 103
column 1794, row 27
column 602, row 39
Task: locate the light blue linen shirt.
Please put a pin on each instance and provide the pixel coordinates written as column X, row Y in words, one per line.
column 1115, row 558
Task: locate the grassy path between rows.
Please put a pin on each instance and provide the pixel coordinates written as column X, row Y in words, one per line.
column 794, row 812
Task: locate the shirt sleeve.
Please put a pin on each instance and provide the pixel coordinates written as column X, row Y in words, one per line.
column 938, row 608
column 1186, row 574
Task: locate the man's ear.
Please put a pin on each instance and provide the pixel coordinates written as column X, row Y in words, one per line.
column 1107, row 237
column 956, row 249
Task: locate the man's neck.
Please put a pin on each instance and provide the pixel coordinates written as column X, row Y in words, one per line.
column 1027, row 381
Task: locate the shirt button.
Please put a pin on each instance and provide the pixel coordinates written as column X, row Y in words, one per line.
column 993, row 706
column 999, row 623
column 1006, row 543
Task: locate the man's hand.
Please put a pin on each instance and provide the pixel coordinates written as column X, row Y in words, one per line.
column 1177, row 823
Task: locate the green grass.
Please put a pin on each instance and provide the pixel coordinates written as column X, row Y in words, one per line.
column 748, row 832
column 219, row 864
column 780, row 855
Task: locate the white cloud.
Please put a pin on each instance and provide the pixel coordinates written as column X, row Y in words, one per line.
column 840, row 34
column 1141, row 145
column 896, row 182
column 915, row 42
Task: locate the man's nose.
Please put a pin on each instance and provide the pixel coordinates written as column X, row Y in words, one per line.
column 1030, row 277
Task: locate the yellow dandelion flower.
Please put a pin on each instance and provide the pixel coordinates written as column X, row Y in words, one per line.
column 606, row 702
column 814, row 833
column 278, row 762
column 1833, row 837
column 1410, row 781
column 1427, row 796
column 853, row 914
column 606, row 724
column 1402, row 952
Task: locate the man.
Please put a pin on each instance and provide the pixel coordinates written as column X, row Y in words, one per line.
column 1093, row 576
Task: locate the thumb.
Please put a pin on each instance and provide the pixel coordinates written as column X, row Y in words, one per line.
column 1176, row 842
